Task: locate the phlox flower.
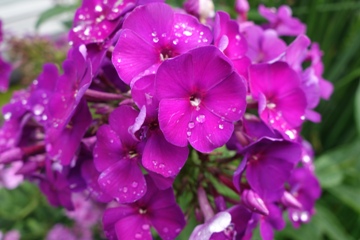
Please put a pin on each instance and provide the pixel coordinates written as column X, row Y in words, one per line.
column 281, row 21
column 156, row 209
column 162, row 34
column 200, row 99
column 117, row 156
column 282, row 102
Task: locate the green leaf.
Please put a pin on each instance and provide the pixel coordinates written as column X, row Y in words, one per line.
column 53, row 12
column 329, row 223
column 348, row 195
column 332, row 167
column 357, row 109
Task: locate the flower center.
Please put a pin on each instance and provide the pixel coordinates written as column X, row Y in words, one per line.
column 142, row 210
column 195, row 101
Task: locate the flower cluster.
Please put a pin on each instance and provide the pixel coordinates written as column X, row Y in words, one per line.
column 155, row 104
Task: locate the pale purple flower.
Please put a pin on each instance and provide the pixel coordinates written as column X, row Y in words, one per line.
column 163, row 34
column 156, row 209
column 217, row 223
column 263, row 45
column 8, row 175
column 10, row 235
column 281, row 100
column 281, row 21
column 60, row 232
column 242, row 7
column 5, row 71
column 202, row 9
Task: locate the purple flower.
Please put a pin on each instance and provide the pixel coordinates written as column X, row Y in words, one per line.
column 281, row 100
column 96, row 20
column 200, row 98
column 117, row 156
column 217, row 223
column 264, row 45
column 282, row 21
column 8, row 175
column 5, row 71
column 163, row 34
column 133, row 221
column 268, row 165
column 242, row 7
column 306, row 189
column 201, row 9
column 159, row 156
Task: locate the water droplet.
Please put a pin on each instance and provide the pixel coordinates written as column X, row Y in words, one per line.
column 125, row 189
column 200, row 118
column 176, row 41
column 155, row 163
column 304, row 216
column 44, row 117
column 290, row 134
column 55, row 124
column 38, row 109
column 7, row 116
column 135, row 184
column 155, row 39
column 188, row 133
column 119, row 60
column 237, row 37
column 233, row 109
column 153, row 34
column 162, row 166
column 201, row 33
column 191, row 125
column 295, row 216
column 138, row 236
column 146, row 227
column 302, row 118
column 98, row 8
column 221, row 126
column 187, row 33
column 24, row 102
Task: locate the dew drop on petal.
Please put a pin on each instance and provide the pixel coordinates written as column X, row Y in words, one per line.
column 200, row 118
column 304, row 216
column 125, row 189
column 155, row 39
column 162, row 166
column 290, row 134
column 44, row 117
column 138, row 236
column 146, row 227
column 155, row 163
column 134, row 184
column 191, row 125
column 188, row 133
column 295, row 216
column 38, row 109
column 7, row 116
column 221, row 126
column 187, row 33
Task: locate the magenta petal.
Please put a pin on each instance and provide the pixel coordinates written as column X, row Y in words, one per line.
column 127, row 52
column 175, row 127
column 108, row 148
column 5, row 71
column 124, row 181
column 168, row 222
column 133, row 227
column 206, row 131
column 162, row 157
column 227, row 99
column 161, row 182
column 175, row 77
column 120, row 120
column 156, row 19
column 188, row 33
column 266, row 231
column 112, row 215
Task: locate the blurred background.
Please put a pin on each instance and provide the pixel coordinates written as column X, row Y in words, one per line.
column 35, row 33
